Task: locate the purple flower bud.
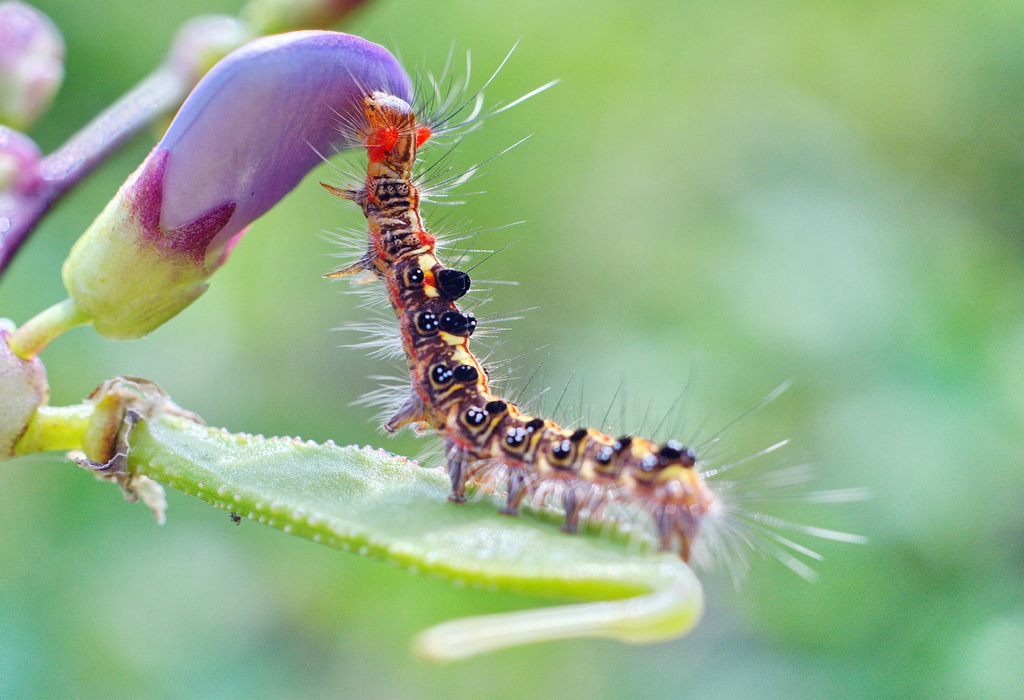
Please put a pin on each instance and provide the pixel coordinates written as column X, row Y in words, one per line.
column 31, row 63
column 19, row 168
column 23, row 389
column 248, row 133
column 204, row 40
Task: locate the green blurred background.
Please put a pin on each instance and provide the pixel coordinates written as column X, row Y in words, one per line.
column 822, row 191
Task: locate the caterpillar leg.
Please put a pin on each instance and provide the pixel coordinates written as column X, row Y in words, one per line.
column 410, row 412
column 458, row 465
column 571, row 504
column 517, row 488
column 362, row 265
column 457, row 471
column 342, row 193
column 676, row 530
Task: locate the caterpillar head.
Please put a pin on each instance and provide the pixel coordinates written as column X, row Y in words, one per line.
column 392, row 135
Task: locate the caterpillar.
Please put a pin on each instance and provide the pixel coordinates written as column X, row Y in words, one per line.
column 487, row 439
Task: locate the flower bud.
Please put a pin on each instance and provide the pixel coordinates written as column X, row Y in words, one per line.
column 245, row 137
column 270, row 16
column 19, row 168
column 23, row 389
column 31, row 63
column 204, row 40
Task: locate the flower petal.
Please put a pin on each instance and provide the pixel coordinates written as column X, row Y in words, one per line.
column 259, row 120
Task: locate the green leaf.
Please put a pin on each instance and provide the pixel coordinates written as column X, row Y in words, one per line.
column 386, row 507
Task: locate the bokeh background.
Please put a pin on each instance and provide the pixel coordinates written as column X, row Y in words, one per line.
column 824, row 191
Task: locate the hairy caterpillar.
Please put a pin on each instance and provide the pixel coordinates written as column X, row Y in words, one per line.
column 487, row 439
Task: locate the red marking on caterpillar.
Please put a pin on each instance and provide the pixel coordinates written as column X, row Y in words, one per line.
column 381, row 143
column 491, row 442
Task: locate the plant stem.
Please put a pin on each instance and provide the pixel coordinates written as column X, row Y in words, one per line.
column 56, row 428
column 156, row 95
column 34, row 335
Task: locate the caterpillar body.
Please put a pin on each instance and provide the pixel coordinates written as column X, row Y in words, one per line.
column 451, row 396
column 491, row 442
